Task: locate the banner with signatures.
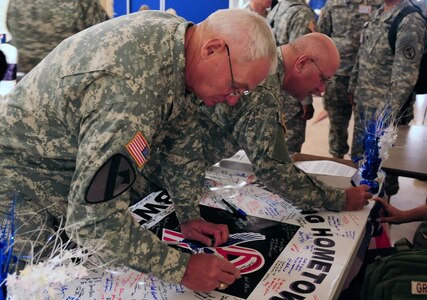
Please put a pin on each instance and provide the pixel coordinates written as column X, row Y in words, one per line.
column 283, row 253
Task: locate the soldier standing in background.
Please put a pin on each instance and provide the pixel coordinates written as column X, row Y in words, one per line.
column 381, row 78
column 343, row 21
column 38, row 26
column 289, row 20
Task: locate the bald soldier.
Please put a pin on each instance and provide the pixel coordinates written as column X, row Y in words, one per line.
column 77, row 131
column 255, row 126
column 291, row 19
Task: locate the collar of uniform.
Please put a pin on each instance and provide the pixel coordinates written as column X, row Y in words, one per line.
column 280, row 73
column 288, row 3
column 181, row 94
column 392, row 12
column 274, row 82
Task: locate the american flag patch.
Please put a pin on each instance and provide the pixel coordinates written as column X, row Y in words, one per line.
column 138, row 149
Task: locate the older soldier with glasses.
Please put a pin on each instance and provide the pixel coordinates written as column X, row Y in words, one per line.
column 77, row 132
column 291, row 19
column 254, row 125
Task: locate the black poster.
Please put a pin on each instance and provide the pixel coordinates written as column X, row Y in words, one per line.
column 253, row 246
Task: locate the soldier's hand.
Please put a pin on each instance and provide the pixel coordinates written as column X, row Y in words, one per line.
column 395, row 216
column 357, row 197
column 208, row 233
column 206, row 272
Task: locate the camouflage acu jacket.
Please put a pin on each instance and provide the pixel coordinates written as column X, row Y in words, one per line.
column 379, row 77
column 343, row 21
column 76, row 132
column 291, row 19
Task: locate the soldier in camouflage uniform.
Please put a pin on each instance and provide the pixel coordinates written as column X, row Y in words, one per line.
column 343, row 21
column 77, row 131
column 289, row 20
column 380, row 78
column 255, row 125
column 38, row 26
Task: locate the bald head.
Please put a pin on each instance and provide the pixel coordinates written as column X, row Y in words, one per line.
column 309, row 62
column 321, row 48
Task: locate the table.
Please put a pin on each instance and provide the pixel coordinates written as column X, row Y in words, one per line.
column 313, row 264
column 408, row 157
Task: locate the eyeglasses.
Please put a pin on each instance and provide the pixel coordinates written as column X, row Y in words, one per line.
column 324, row 78
column 236, row 91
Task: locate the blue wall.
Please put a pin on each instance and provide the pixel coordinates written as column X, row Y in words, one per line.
column 192, row 10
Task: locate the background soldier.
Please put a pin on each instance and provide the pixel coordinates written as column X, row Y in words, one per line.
column 381, row 78
column 343, row 22
column 38, row 26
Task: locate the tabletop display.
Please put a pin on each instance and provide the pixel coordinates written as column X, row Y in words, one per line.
column 282, row 253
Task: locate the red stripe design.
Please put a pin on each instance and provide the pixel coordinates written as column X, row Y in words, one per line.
column 138, row 149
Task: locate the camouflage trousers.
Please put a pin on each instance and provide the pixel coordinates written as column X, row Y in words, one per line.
column 295, row 125
column 339, row 111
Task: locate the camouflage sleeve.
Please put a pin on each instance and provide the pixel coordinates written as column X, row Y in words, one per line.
column 410, row 41
column 261, row 135
column 353, row 75
column 109, row 221
column 89, row 13
column 324, row 23
column 301, row 23
column 183, row 168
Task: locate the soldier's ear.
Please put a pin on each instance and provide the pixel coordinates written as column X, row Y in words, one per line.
column 212, row 47
column 302, row 62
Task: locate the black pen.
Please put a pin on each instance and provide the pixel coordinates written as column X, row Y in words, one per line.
column 236, row 211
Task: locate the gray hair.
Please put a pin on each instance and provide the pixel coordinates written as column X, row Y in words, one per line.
column 247, row 34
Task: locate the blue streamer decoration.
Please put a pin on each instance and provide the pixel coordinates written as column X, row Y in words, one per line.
column 369, row 168
column 371, row 161
column 7, row 237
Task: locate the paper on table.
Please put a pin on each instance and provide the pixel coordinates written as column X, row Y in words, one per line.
column 326, row 167
column 238, row 161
